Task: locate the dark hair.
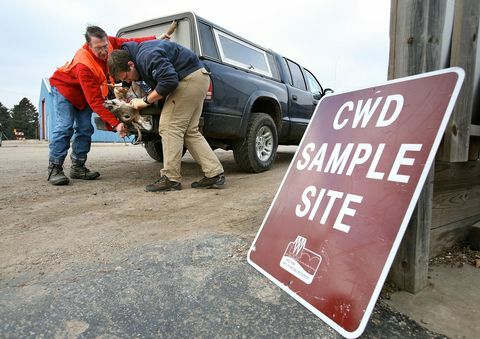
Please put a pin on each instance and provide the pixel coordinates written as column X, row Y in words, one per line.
column 94, row 31
column 118, row 62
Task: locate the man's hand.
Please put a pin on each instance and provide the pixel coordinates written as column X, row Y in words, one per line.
column 170, row 30
column 138, row 103
column 122, row 130
column 164, row 36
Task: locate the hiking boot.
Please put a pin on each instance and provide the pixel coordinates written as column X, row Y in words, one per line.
column 79, row 171
column 163, row 185
column 56, row 175
column 217, row 181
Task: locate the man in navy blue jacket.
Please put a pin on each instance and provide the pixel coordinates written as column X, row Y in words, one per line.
column 175, row 74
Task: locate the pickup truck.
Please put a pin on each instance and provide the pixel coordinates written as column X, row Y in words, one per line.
column 257, row 98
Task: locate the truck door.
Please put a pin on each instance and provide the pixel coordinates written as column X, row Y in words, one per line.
column 301, row 102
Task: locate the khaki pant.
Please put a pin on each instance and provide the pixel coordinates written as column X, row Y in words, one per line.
column 179, row 126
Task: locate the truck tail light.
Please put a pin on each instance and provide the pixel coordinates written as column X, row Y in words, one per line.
column 209, row 95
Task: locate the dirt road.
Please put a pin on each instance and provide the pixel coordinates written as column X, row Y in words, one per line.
column 106, row 259
column 90, row 220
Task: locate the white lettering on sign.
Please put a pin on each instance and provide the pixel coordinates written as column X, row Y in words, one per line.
column 372, row 173
column 352, row 158
column 340, row 157
column 401, row 160
column 365, row 111
column 337, row 161
column 346, row 210
column 310, row 193
column 382, row 122
column 361, row 155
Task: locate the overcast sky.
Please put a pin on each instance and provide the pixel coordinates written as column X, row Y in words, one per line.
column 343, row 42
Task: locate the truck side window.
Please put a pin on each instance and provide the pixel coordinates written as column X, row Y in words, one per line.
column 313, row 84
column 286, row 70
column 208, row 42
column 273, row 66
column 242, row 54
column 297, row 76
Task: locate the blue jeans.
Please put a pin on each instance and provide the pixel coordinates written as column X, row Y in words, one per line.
column 70, row 122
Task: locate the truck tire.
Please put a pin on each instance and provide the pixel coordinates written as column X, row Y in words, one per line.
column 257, row 152
column 154, row 149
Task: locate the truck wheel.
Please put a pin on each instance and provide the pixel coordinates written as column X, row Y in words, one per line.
column 154, row 149
column 257, row 152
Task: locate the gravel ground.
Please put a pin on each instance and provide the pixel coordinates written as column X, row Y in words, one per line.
column 106, row 259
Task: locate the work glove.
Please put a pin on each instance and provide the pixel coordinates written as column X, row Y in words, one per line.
column 138, row 103
column 120, row 92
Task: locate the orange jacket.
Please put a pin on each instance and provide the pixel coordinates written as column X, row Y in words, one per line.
column 81, row 84
column 84, row 57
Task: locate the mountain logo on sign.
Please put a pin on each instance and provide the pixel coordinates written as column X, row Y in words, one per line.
column 300, row 261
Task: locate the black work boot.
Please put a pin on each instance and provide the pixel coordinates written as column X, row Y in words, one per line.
column 164, row 184
column 79, row 171
column 217, row 181
column 56, row 175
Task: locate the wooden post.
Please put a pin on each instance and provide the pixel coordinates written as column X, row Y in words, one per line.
column 456, row 141
column 410, row 267
column 417, row 45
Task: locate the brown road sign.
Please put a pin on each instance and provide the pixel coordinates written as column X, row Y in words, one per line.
column 332, row 231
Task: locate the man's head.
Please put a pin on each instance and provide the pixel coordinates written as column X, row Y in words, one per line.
column 122, row 67
column 97, row 40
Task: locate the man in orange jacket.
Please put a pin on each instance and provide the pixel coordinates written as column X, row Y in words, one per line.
column 80, row 88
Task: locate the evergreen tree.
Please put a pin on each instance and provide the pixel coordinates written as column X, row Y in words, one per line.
column 25, row 119
column 5, row 122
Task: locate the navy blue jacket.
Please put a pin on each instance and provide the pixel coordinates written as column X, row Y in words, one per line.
column 162, row 63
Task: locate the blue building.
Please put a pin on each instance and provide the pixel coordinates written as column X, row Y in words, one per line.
column 46, row 118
